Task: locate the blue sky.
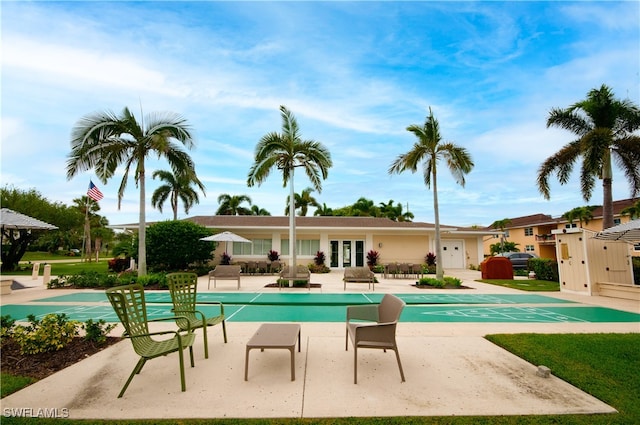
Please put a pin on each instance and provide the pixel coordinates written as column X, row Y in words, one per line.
column 355, row 75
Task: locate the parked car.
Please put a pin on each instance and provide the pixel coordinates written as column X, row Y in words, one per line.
column 519, row 260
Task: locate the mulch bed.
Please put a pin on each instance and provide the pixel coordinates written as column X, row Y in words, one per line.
column 41, row 365
column 275, row 285
column 444, row 287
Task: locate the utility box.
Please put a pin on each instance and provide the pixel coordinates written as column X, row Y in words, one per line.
column 585, row 263
column 496, row 268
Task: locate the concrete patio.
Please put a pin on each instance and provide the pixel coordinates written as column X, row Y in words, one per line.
column 450, row 369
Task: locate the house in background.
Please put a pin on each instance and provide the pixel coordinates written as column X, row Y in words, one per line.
column 345, row 241
column 534, row 233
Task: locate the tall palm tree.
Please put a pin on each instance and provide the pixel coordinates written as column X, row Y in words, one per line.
column 430, row 148
column 286, row 151
column 502, row 225
column 582, row 214
column 303, row 201
column 104, row 141
column 232, row 205
column 605, row 128
column 176, row 187
column 89, row 208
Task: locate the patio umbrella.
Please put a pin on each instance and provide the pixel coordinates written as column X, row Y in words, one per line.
column 628, row 232
column 225, row 237
column 16, row 221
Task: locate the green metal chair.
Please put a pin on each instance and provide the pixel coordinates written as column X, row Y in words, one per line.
column 183, row 288
column 128, row 303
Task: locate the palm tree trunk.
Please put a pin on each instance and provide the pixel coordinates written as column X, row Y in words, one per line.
column 142, row 225
column 292, row 226
column 607, row 195
column 436, row 213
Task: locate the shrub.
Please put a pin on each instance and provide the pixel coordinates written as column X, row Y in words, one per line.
column 6, row 326
column 436, row 283
column 51, row 333
column 97, row 331
column 544, row 268
column 118, row 265
column 159, row 279
column 452, row 281
column 319, row 259
column 225, row 259
column 173, row 245
column 84, row 279
column 314, row 268
column 430, row 259
column 372, row 258
column 273, row 255
column 431, row 281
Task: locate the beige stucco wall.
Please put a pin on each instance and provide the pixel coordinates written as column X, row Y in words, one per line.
column 408, row 247
column 402, row 248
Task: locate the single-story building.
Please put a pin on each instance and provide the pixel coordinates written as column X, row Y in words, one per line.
column 345, row 241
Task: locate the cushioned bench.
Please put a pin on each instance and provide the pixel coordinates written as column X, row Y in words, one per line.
column 224, row 272
column 359, row 275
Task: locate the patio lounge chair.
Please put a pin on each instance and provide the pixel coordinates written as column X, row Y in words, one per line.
column 378, row 332
column 183, row 289
column 128, row 303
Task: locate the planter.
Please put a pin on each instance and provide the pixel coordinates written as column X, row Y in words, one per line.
column 5, row 287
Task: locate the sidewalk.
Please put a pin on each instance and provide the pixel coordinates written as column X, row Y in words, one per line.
column 450, row 369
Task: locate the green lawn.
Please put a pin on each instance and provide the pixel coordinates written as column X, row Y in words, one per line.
column 524, row 284
column 604, row 365
column 73, row 265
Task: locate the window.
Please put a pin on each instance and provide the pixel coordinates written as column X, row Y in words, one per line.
column 529, row 248
column 241, row 248
column 570, row 225
column 528, row 231
column 257, row 247
column 616, row 221
column 305, row 246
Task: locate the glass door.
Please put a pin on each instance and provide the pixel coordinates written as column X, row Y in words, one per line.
column 346, row 253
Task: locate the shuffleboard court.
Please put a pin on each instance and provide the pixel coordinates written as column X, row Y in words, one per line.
column 261, row 298
column 337, row 313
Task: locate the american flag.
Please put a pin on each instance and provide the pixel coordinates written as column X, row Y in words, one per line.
column 93, row 192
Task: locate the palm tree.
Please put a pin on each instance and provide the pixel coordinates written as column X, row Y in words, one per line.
column 430, row 148
column 232, row 205
column 323, row 210
column 364, row 207
column 502, row 225
column 394, row 212
column 89, row 208
column 104, row 141
column 286, row 151
column 604, row 126
column 303, row 201
column 582, row 214
column 633, row 211
column 176, row 187
column 256, row 210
